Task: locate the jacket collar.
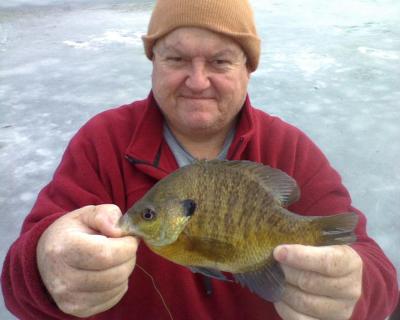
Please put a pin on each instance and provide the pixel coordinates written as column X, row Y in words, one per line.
column 149, row 152
column 245, row 129
column 148, row 134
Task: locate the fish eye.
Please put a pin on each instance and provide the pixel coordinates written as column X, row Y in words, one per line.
column 148, row 214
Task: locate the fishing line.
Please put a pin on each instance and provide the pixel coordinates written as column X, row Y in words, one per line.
column 158, row 291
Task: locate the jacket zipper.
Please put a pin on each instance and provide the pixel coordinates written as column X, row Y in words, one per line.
column 241, row 139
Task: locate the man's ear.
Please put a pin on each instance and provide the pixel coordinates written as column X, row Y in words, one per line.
column 249, row 72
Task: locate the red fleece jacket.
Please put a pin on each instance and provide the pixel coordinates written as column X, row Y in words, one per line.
column 118, row 155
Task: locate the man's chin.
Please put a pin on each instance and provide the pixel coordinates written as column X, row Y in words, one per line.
column 199, row 124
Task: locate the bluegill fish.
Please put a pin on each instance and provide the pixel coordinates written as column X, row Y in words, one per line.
column 214, row 216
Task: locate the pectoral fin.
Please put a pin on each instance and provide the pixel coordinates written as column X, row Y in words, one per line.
column 267, row 282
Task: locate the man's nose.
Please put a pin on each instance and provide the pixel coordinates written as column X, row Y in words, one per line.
column 198, row 77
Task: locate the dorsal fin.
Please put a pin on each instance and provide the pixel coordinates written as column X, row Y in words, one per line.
column 282, row 186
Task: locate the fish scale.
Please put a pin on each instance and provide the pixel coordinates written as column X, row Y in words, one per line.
column 208, row 225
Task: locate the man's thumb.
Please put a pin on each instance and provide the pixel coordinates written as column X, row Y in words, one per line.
column 102, row 218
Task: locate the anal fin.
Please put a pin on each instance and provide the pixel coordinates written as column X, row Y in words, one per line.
column 267, row 282
column 212, row 273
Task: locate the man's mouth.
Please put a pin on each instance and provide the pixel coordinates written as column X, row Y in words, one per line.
column 196, row 97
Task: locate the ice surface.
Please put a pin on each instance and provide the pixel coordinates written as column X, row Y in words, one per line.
column 329, row 67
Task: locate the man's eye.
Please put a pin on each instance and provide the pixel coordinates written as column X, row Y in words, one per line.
column 221, row 62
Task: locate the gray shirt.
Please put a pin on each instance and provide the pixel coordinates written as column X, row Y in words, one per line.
column 183, row 157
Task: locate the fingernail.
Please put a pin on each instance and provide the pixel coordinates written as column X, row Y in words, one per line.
column 281, row 253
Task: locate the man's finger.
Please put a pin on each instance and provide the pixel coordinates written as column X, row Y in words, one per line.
column 97, row 252
column 287, row 313
column 102, row 218
column 318, row 284
column 109, row 303
column 315, row 305
column 100, row 280
column 333, row 261
column 82, row 304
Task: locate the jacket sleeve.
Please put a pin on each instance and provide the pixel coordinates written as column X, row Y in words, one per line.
column 322, row 193
column 77, row 182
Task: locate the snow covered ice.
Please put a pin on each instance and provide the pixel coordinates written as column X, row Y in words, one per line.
column 332, row 68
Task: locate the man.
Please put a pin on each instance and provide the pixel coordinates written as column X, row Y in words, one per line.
column 72, row 261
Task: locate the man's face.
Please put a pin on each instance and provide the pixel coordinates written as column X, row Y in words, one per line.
column 199, row 81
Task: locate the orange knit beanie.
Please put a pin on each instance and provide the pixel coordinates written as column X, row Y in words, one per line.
column 232, row 18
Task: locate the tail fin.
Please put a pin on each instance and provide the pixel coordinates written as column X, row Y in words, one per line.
column 336, row 229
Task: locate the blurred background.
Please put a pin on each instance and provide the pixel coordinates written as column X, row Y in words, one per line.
column 332, row 68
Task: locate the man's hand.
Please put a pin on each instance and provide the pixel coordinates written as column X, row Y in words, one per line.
column 322, row 282
column 85, row 262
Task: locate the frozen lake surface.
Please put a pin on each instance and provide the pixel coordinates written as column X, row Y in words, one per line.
column 330, row 67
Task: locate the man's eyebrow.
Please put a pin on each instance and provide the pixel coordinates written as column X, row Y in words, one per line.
column 224, row 52
column 163, row 48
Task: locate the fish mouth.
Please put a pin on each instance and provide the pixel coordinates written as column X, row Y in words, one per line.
column 128, row 229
